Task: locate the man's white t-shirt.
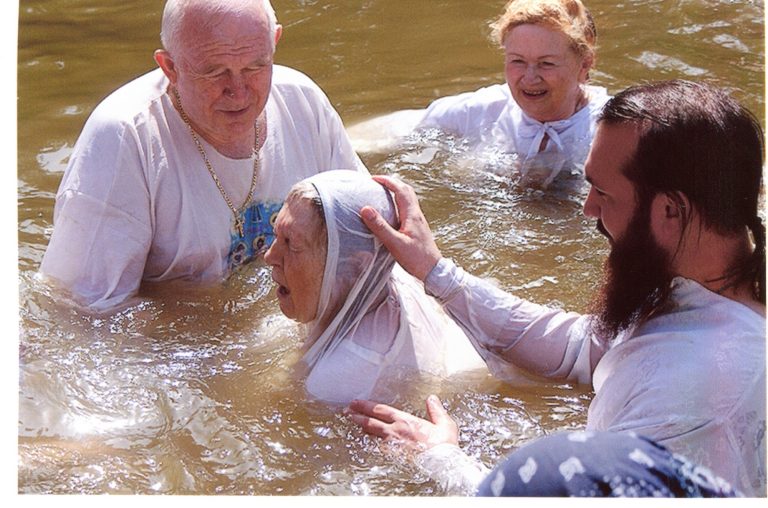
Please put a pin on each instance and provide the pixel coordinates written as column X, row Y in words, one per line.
column 137, row 203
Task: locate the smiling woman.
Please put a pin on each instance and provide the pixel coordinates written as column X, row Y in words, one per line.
column 543, row 118
column 370, row 325
column 543, row 72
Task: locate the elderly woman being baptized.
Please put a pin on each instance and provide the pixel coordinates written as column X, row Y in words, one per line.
column 368, row 322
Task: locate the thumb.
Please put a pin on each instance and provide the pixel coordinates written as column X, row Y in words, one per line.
column 437, row 413
column 378, row 226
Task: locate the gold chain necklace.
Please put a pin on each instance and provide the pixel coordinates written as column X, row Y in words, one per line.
column 236, row 212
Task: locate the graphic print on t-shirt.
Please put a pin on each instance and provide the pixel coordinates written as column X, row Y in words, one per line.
column 258, row 233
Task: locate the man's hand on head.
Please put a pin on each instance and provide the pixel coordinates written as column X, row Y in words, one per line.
column 412, row 245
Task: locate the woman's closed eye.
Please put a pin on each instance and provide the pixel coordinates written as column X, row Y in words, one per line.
column 296, row 245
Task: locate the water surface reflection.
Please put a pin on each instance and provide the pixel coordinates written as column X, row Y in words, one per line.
column 191, row 391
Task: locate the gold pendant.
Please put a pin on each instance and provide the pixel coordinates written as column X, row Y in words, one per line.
column 239, row 225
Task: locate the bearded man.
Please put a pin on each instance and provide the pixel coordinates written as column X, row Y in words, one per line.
column 179, row 174
column 675, row 343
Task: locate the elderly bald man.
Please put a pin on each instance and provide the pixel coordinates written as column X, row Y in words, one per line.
column 180, row 173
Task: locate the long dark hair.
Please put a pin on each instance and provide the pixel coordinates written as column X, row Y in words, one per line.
column 696, row 140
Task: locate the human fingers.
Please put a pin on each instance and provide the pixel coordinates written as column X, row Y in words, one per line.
column 379, row 227
column 406, row 201
column 405, row 251
column 413, row 244
column 391, row 423
column 415, row 255
column 443, row 429
column 436, row 411
column 389, row 182
column 378, row 419
column 383, row 412
column 370, row 425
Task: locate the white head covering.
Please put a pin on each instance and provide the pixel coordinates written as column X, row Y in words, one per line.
column 372, row 317
column 357, row 266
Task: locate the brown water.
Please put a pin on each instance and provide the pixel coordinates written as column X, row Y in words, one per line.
column 191, row 391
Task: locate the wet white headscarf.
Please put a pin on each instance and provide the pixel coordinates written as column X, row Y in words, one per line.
column 374, row 320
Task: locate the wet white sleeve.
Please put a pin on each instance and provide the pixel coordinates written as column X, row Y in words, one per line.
column 451, row 114
column 507, row 330
column 467, row 113
column 456, row 472
column 102, row 226
column 384, row 133
column 344, row 155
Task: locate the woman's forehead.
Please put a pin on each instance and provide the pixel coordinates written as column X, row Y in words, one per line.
column 538, row 40
column 297, row 218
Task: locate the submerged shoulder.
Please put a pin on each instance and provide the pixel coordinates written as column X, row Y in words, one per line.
column 481, row 98
column 469, row 112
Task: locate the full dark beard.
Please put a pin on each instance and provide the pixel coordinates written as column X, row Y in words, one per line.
column 636, row 280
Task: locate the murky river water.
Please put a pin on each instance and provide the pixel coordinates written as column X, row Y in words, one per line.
column 191, row 391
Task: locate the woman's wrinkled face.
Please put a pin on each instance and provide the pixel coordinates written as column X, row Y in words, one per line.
column 297, row 257
column 543, row 72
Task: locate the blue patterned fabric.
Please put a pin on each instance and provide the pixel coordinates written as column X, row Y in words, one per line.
column 258, row 233
column 600, row 464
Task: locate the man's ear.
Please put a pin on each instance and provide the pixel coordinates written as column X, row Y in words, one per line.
column 166, row 63
column 278, row 33
column 670, row 212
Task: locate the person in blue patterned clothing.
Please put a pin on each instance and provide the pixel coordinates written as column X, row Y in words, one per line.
column 600, row 464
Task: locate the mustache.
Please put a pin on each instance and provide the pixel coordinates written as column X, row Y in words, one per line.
column 636, row 280
column 601, row 228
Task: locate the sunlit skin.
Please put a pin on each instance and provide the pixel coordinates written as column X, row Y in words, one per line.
column 223, row 76
column 297, row 257
column 387, row 422
column 544, row 74
column 611, row 198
